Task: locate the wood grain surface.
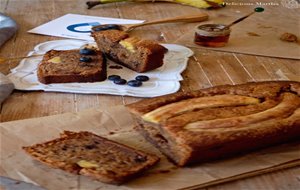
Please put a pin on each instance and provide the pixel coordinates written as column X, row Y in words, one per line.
column 206, row 68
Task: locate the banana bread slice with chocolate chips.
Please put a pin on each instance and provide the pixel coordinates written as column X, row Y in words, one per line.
column 64, row 66
column 85, row 153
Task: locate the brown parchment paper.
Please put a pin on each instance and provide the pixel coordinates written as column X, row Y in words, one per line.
column 259, row 34
column 116, row 123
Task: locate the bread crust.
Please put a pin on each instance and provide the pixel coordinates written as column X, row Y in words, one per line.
column 70, row 68
column 199, row 131
column 105, row 160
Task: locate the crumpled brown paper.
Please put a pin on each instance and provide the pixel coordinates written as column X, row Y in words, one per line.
column 116, row 123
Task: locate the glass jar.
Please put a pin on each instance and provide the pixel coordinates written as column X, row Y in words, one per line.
column 212, row 35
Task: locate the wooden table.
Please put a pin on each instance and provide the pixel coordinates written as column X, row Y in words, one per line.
column 205, row 69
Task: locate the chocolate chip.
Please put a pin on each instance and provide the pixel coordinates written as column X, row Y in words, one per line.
column 86, row 64
column 140, row 158
column 64, row 147
column 92, row 146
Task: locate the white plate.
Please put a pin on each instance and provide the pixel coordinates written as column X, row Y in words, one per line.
column 164, row 80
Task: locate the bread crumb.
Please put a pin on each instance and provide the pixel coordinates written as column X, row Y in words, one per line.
column 288, row 37
column 115, row 67
column 252, row 34
column 264, row 26
column 164, row 171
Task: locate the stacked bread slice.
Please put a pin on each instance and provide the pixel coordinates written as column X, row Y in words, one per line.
column 63, row 66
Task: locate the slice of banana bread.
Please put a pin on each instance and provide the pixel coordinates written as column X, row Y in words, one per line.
column 85, row 153
column 137, row 54
column 64, row 66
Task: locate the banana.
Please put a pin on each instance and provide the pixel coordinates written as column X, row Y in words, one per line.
column 204, row 4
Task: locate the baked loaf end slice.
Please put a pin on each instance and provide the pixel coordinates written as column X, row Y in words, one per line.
column 87, row 154
column 221, row 121
column 64, row 66
column 137, row 54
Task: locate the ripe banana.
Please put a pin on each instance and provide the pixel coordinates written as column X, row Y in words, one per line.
column 194, row 3
column 202, row 3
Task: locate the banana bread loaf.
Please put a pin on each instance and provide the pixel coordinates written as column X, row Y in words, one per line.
column 63, row 66
column 137, row 54
column 87, row 154
column 221, row 121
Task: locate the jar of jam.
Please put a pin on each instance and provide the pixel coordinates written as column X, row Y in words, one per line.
column 212, row 35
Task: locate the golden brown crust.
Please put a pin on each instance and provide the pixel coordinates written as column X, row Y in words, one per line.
column 220, row 121
column 68, row 68
column 137, row 54
column 253, row 89
column 112, row 36
column 87, row 154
